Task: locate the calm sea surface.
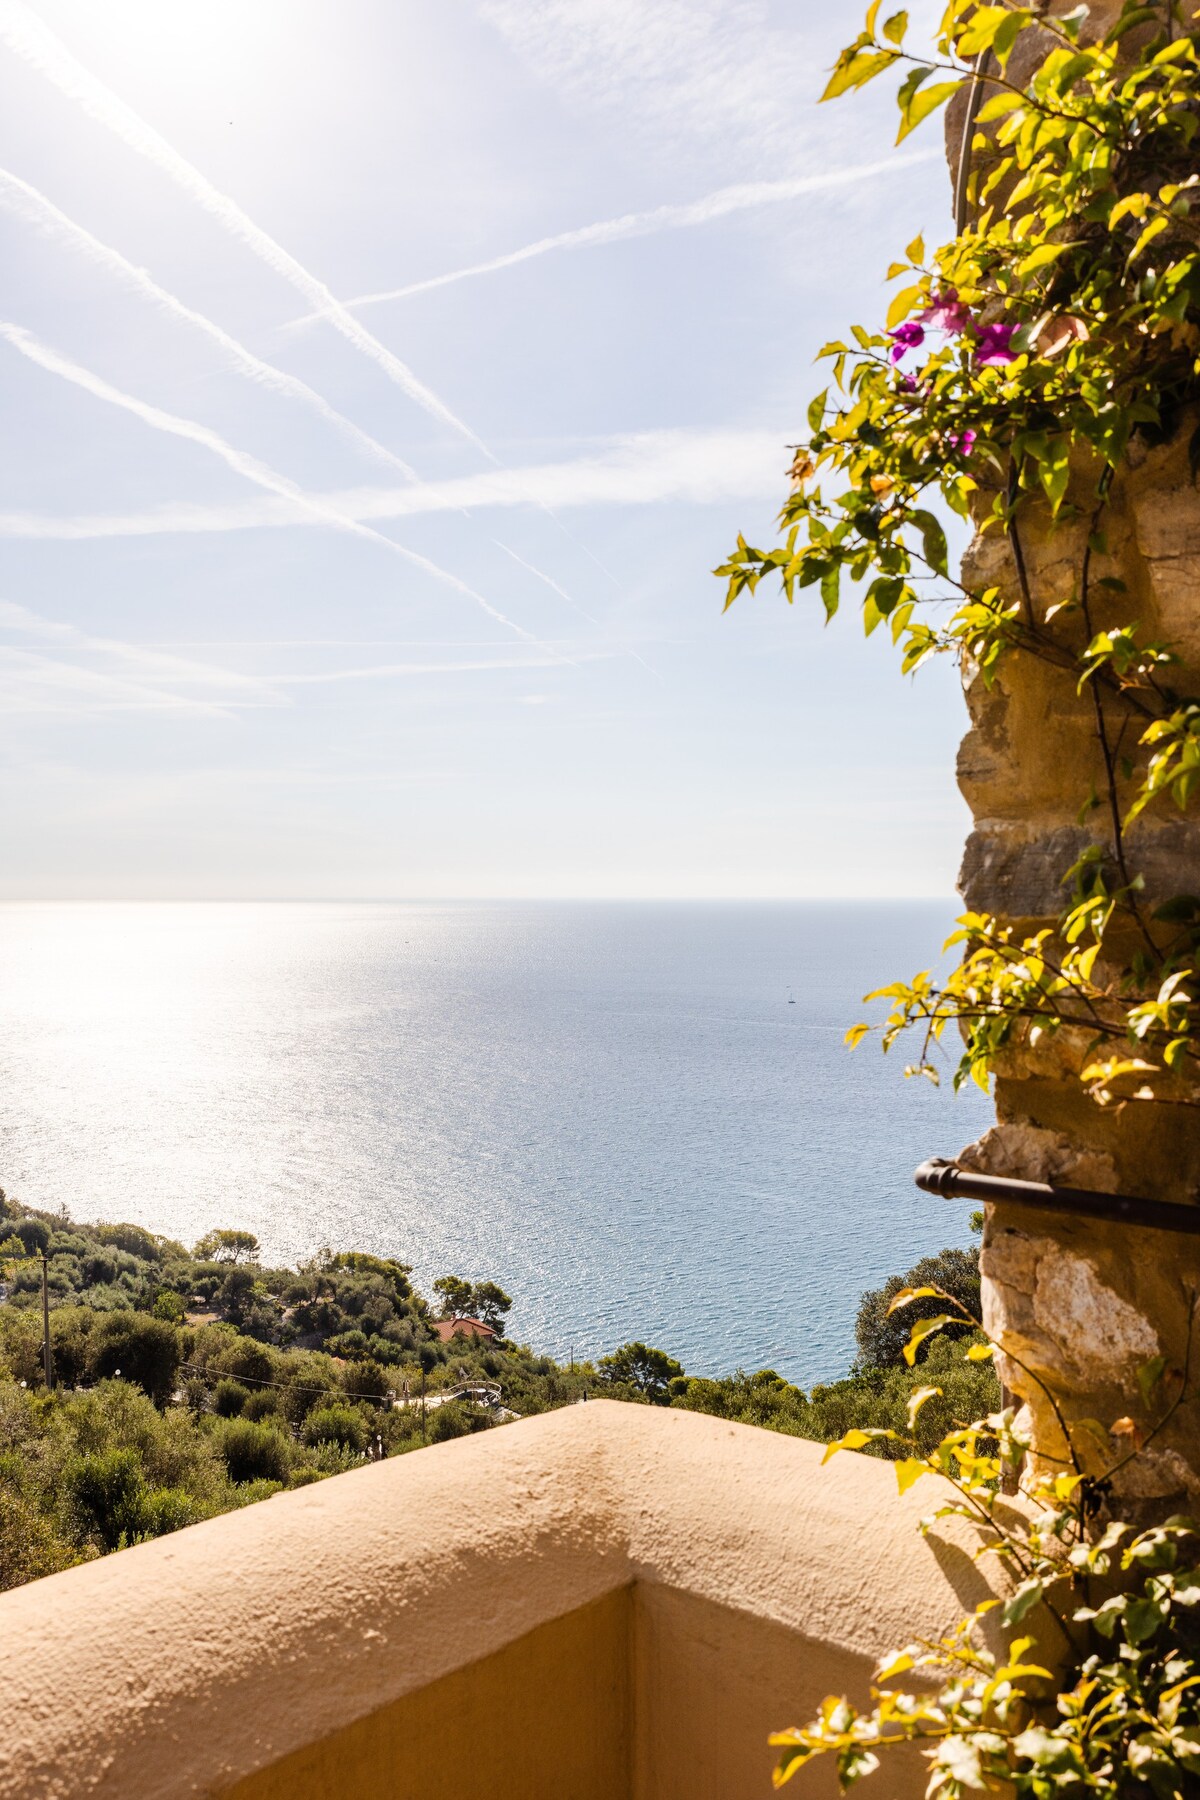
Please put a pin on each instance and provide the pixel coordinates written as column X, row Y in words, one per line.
column 611, row 1109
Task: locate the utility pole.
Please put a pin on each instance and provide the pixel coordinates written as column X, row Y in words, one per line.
column 47, row 1354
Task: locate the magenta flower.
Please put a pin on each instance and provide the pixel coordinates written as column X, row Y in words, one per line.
column 962, row 441
column 908, row 384
column 993, row 345
column 909, row 336
column 946, row 312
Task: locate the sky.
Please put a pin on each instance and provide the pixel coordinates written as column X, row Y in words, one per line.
column 382, row 382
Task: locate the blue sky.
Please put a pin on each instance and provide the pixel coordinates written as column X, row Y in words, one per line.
column 308, row 595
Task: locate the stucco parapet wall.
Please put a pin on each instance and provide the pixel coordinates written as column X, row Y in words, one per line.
column 181, row 1666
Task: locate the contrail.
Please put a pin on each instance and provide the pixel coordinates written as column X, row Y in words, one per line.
column 718, row 205
column 32, row 207
column 239, row 461
column 30, row 38
column 548, row 579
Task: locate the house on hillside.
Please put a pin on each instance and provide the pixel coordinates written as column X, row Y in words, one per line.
column 468, row 1328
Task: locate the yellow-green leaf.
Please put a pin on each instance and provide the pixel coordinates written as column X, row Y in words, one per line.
column 921, row 1330
column 1152, row 231
column 910, row 1471
column 917, row 1401
column 902, row 304
column 907, row 1295
column 923, row 102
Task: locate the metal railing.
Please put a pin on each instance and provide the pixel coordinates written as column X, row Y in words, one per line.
column 941, row 1176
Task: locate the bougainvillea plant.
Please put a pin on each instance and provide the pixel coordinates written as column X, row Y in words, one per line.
column 1097, row 1691
column 1018, row 369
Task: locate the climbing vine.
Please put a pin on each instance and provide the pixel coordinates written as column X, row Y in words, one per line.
column 1097, row 1690
column 1019, row 369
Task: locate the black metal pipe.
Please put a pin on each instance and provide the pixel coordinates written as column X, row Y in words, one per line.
column 940, row 1176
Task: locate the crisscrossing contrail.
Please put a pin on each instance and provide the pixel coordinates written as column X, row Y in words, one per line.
column 25, row 33
column 240, row 461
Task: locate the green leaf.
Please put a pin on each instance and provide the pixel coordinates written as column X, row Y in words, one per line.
column 895, row 28
column 830, row 584
column 1149, row 1375
column 1129, row 21
column 1023, row 1601
column 1055, row 473
column 933, row 540
column 816, row 410
column 1142, row 1620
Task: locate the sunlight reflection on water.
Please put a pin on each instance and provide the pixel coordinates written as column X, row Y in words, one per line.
column 609, row 1108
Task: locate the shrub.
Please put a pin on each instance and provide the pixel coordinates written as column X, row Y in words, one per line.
column 170, row 1306
column 458, row 1418
column 229, row 1398
column 30, row 1544
column 261, row 1403
column 367, row 1377
column 106, row 1496
column 70, row 1339
column 168, row 1509
column 145, row 1350
column 34, row 1235
column 343, row 1425
column 254, row 1452
column 134, row 1240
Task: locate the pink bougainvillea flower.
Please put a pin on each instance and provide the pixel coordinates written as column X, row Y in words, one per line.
column 908, row 384
column 962, row 441
column 946, row 312
column 993, row 345
column 909, row 336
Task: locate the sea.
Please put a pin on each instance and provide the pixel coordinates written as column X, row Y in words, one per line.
column 639, row 1118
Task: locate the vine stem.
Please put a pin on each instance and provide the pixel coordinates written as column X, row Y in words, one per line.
column 1106, row 747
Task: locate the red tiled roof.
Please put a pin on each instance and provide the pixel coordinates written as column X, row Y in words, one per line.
column 449, row 1328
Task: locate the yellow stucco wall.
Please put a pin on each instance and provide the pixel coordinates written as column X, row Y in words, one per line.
column 629, row 1594
column 546, row 1718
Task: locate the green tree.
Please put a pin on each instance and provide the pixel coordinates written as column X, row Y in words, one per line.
column 490, row 1304
column 228, row 1247
column 882, row 1335
column 457, row 1296
column 639, row 1366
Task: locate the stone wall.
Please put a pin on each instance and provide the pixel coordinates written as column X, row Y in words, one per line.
column 1082, row 1303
